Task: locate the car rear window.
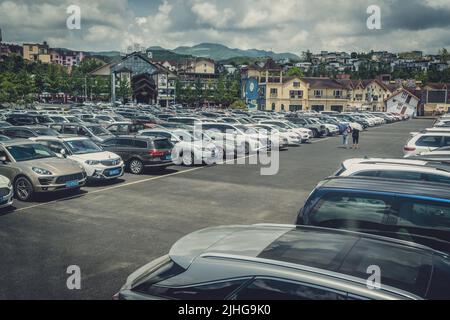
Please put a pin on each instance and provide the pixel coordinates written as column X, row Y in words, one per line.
column 310, row 247
column 163, row 144
column 400, row 267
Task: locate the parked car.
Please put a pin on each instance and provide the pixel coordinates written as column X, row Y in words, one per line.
column 127, row 128
column 6, row 192
column 32, row 168
column 187, row 150
column 243, row 137
column 319, row 130
column 305, row 134
column 440, row 154
column 65, row 119
column 4, row 124
column 415, row 211
column 282, row 262
column 26, row 132
column 95, row 132
column 425, row 142
column 27, row 119
column 4, row 138
column 139, row 152
column 281, row 137
column 400, row 169
column 98, row 164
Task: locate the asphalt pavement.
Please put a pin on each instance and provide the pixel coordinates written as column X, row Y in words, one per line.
column 109, row 230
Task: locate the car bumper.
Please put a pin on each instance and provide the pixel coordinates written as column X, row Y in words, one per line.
column 158, row 163
column 59, row 186
column 7, row 200
column 106, row 174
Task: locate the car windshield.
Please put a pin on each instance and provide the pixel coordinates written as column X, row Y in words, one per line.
column 82, row 146
column 46, row 132
column 28, row 152
column 99, row 131
column 198, row 135
column 74, row 119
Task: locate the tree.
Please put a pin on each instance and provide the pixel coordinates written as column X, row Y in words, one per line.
column 238, row 104
column 295, row 72
column 445, row 56
column 124, row 91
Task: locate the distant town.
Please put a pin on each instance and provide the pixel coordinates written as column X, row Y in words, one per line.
column 325, row 81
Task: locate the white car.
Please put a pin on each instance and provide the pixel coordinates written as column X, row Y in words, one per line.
column 98, row 164
column 425, row 142
column 305, row 133
column 188, row 150
column 249, row 140
column 402, row 169
column 331, row 128
column 293, row 139
column 6, row 192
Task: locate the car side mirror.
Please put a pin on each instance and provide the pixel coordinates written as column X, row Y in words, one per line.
column 63, row 152
column 3, row 159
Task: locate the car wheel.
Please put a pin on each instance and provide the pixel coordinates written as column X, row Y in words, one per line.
column 188, row 159
column 328, row 133
column 315, row 133
column 23, row 189
column 136, row 166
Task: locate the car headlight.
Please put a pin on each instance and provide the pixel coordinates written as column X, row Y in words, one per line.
column 92, row 162
column 41, row 171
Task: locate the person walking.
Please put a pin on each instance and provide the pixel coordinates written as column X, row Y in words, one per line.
column 345, row 136
column 355, row 136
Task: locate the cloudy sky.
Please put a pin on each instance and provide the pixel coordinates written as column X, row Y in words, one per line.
column 280, row 25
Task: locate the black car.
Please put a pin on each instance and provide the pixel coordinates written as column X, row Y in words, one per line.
column 140, row 152
column 403, row 209
column 127, row 128
column 27, row 119
column 26, row 132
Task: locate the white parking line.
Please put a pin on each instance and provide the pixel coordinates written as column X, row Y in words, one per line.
column 123, row 185
column 324, row 139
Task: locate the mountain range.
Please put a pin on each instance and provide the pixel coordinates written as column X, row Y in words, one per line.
column 220, row 52
column 217, row 52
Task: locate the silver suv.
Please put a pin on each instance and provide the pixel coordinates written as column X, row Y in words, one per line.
column 283, row 262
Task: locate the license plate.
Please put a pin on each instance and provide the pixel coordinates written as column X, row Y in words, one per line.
column 114, row 172
column 72, row 184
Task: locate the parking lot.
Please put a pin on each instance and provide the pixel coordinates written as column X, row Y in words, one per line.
column 109, row 230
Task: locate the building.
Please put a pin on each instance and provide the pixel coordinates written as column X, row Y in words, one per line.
column 150, row 82
column 66, row 58
column 7, row 49
column 199, row 66
column 403, row 102
column 436, row 98
column 37, row 52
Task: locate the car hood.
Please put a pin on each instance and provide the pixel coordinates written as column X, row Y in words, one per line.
column 102, row 155
column 57, row 166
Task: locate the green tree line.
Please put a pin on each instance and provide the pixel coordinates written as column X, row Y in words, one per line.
column 22, row 81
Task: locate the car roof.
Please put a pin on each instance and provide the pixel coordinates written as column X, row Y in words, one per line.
column 267, row 248
column 411, row 188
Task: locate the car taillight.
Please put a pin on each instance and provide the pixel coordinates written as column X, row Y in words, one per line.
column 156, row 153
column 406, row 148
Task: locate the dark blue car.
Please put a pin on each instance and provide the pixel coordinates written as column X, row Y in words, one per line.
column 407, row 210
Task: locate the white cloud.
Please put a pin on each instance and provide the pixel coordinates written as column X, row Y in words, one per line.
column 209, row 13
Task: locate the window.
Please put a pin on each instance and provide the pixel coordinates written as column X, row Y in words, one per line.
column 317, row 93
column 110, row 142
column 446, row 140
column 429, row 141
column 401, row 268
column 273, row 106
column 349, row 210
column 267, row 289
column 125, row 143
column 294, row 108
column 273, row 92
column 296, row 94
column 296, row 84
column 403, row 175
column 424, row 214
column 55, row 146
column 338, row 93
column 140, row 144
column 214, row 291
